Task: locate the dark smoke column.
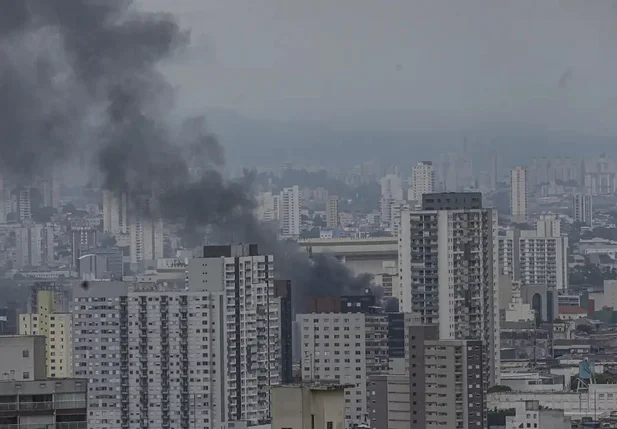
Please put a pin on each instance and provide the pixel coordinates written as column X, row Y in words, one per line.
column 81, row 77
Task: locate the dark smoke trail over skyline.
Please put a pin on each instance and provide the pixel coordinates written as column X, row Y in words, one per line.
column 81, row 77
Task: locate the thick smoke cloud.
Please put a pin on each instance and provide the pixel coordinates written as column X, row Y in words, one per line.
column 317, row 276
column 81, row 76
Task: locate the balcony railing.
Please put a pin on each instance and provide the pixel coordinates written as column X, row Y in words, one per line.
column 71, row 425
column 63, row 425
column 36, row 406
column 41, row 406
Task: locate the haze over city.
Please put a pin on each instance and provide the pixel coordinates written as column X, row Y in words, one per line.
column 330, row 214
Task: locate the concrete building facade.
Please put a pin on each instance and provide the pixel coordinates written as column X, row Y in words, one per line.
column 23, row 357
column 44, row 403
column 344, row 348
column 332, row 217
column 582, row 209
column 422, row 180
column 289, row 216
column 115, row 213
column 390, row 401
column 536, row 257
column 34, row 245
column 50, row 321
column 518, row 195
column 196, row 355
column 447, row 381
column 448, row 274
column 308, row 406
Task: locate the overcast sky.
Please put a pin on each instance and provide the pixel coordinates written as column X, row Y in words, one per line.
column 550, row 62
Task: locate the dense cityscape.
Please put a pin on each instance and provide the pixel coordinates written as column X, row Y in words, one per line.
column 472, row 315
column 151, row 280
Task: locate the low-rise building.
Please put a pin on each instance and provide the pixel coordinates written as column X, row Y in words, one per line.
column 600, row 398
column 530, row 415
column 29, row 400
column 308, row 406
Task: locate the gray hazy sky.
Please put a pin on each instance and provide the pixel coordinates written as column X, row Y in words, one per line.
column 549, row 62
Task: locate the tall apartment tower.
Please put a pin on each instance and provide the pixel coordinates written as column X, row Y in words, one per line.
column 332, row 219
column 447, row 381
column 146, row 238
column 518, row 195
column 49, row 320
column 268, row 207
column 100, row 328
column 444, row 385
column 344, row 343
column 282, row 290
column 24, row 203
column 391, row 193
column 494, row 167
column 422, row 180
column 195, row 355
column 582, row 209
column 252, row 329
column 448, row 274
column 34, row 245
column 115, row 213
column 82, row 238
column 289, row 206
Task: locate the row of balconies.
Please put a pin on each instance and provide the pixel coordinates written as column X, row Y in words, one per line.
column 42, row 405
column 60, row 425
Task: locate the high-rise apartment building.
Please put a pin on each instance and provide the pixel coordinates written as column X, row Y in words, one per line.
column 582, row 209
column 391, row 194
column 600, row 176
column 345, row 347
column 456, row 172
column 447, row 381
column 146, row 238
column 268, row 207
column 115, row 213
column 289, row 216
column 34, row 245
column 82, row 238
column 536, row 257
column 112, row 267
column 448, row 274
column 49, row 320
column 30, row 399
column 193, row 355
column 282, row 290
column 494, row 168
column 518, row 195
column 422, row 180
column 24, row 202
column 332, row 219
column 444, row 385
column 101, row 351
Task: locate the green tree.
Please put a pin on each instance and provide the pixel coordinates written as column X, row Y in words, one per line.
column 497, row 417
column 318, row 221
column 587, row 329
column 498, row 388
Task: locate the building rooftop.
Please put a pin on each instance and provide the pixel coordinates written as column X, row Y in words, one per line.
column 572, row 309
column 315, row 386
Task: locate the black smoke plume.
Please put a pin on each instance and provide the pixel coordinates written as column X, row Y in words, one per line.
column 82, row 76
column 319, row 275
